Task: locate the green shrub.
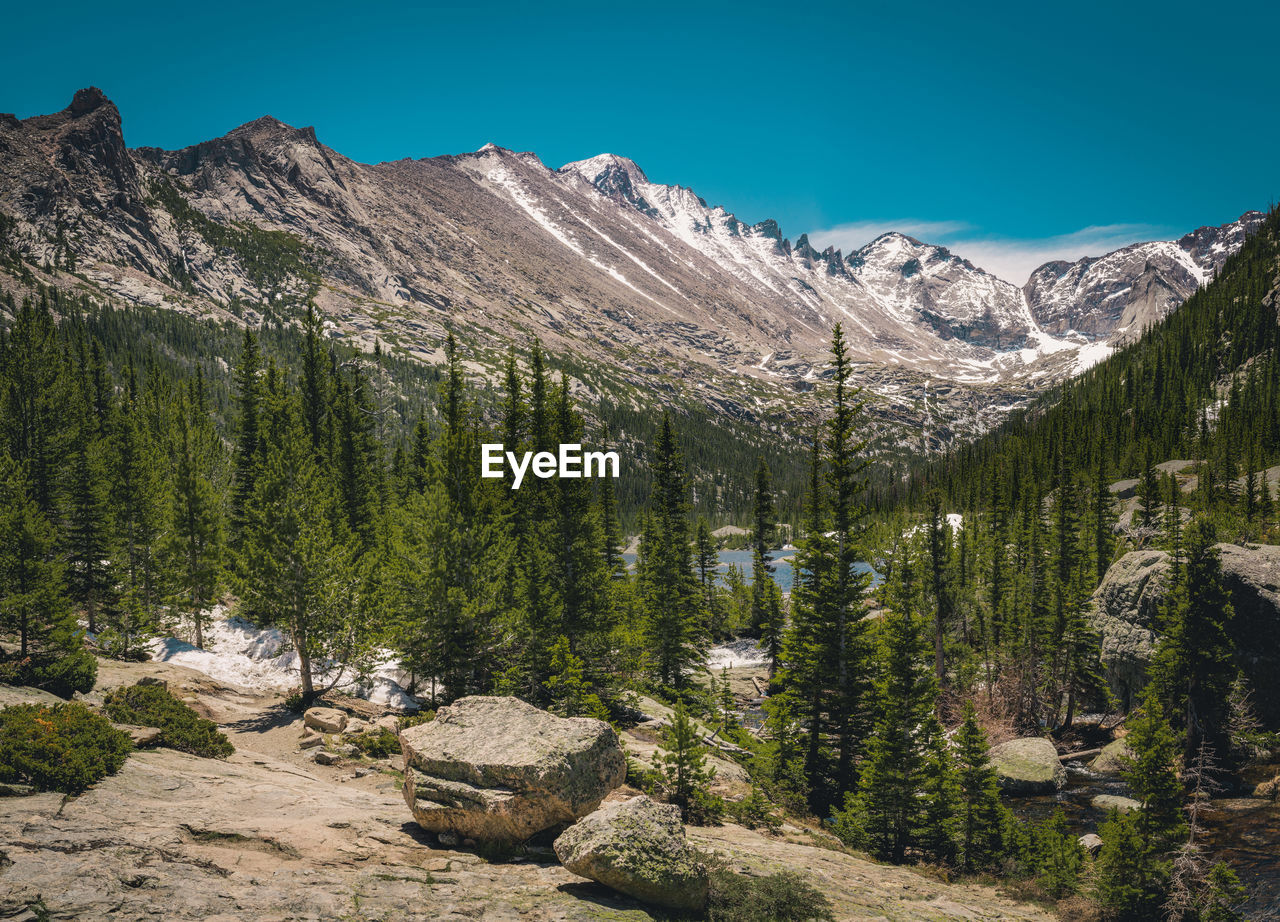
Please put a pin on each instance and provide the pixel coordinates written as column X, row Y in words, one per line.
column 704, row 809
column 180, row 727
column 784, row 897
column 62, row 675
column 378, row 745
column 63, row 748
column 412, row 720
column 755, row 811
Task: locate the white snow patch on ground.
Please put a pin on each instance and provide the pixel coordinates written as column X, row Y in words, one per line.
column 1091, row 355
column 736, row 653
column 241, row 653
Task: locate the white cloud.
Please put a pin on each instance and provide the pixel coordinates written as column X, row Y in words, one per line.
column 1009, row 258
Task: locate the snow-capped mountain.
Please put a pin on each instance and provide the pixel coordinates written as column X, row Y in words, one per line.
column 593, row 258
column 1123, row 292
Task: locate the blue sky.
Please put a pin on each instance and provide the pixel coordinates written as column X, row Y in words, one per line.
column 1011, row 132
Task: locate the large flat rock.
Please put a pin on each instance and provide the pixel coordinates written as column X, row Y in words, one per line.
column 1028, row 766
column 497, row 769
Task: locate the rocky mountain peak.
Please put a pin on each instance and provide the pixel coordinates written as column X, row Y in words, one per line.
column 89, row 99
column 267, row 128
column 619, row 178
column 606, row 169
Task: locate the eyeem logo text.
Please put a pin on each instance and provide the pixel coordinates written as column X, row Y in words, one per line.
column 570, row 462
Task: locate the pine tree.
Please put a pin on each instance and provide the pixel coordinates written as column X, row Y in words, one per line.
column 34, row 608
column 762, row 568
column 1153, row 777
column 706, row 558
column 356, row 461
column 138, row 498
column 194, row 537
column 89, row 527
column 725, row 701
column 1193, row 666
column 297, row 569
column 980, row 815
column 939, row 530
column 766, row 609
column 1135, row 861
column 315, row 397
column 571, row 694
column 1172, row 516
column 888, row 814
column 846, row 481
column 668, row 592
column 683, row 762
column 581, row 578
column 1103, row 517
column 34, row 403
column 1149, row 490
column 248, row 389
column 1122, row 871
column 825, row 651
column 1059, row 857
column 610, row 526
column 453, row 561
column 773, row 625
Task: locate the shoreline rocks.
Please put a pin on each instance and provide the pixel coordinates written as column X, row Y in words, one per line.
column 1110, row 802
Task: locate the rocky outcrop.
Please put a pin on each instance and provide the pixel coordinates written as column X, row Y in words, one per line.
column 500, row 770
column 1027, row 767
column 1113, row 757
column 185, row 839
column 268, row 835
column 142, row 736
column 1127, row 603
column 637, row 847
column 1125, row 607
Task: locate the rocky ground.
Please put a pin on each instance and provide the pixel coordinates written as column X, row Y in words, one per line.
column 269, row 835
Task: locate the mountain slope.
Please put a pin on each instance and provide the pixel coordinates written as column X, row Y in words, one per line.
column 1202, row 384
column 638, row 278
column 1132, row 288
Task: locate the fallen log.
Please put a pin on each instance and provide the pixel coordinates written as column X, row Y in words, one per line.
column 1082, row 754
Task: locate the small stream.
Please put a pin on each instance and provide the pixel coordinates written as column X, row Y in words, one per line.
column 1244, row 831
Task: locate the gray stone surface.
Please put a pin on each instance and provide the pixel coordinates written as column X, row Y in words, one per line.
column 1115, row 802
column 1112, row 758
column 325, row 720
column 497, row 769
column 1125, row 610
column 637, row 847
column 1028, row 766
